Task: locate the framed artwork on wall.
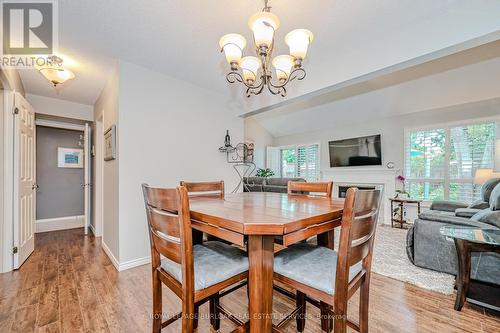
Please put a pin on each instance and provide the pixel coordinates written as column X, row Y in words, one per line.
column 69, row 158
column 110, row 143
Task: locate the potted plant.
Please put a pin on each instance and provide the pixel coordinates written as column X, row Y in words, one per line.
column 401, row 193
column 264, row 173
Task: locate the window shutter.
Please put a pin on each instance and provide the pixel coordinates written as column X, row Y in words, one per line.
column 273, row 160
column 313, row 163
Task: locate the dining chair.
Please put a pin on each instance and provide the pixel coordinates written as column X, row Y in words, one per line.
column 195, row 273
column 213, row 189
column 317, row 188
column 327, row 278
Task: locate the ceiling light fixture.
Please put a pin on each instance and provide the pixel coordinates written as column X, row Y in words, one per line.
column 255, row 72
column 53, row 71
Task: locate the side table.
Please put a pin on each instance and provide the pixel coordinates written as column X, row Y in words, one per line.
column 402, row 206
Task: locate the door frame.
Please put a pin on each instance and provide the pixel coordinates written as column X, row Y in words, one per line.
column 98, row 176
column 7, row 260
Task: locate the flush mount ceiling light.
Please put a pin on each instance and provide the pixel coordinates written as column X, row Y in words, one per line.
column 54, row 71
column 255, row 71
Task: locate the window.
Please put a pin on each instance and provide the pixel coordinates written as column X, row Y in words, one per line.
column 299, row 161
column 441, row 162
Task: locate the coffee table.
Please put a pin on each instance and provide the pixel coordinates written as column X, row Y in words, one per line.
column 468, row 240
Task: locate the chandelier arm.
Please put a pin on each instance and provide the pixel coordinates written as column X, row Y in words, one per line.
column 280, row 90
column 297, row 73
column 234, row 76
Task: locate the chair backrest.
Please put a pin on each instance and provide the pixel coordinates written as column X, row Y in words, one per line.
column 359, row 222
column 170, row 233
column 321, row 188
column 215, row 188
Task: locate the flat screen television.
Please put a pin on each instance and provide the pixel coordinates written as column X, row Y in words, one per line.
column 365, row 150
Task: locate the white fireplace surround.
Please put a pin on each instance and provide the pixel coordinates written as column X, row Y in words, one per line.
column 378, row 177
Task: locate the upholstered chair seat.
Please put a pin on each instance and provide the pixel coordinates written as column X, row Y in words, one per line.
column 214, row 262
column 312, row 265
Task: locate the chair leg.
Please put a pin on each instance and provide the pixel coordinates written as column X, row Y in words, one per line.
column 300, row 301
column 214, row 312
column 196, row 315
column 326, row 320
column 364, row 294
column 157, row 303
column 188, row 316
column 340, row 322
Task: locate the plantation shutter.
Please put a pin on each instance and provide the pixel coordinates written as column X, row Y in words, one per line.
column 308, row 162
column 273, row 160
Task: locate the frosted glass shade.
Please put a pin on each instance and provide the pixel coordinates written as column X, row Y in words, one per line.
column 250, row 66
column 233, row 45
column 57, row 75
column 496, row 168
column 263, row 25
column 298, row 41
column 283, row 65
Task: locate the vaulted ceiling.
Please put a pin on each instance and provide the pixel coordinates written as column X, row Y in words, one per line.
column 180, row 38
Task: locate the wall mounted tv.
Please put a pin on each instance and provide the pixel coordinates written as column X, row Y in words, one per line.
column 361, row 151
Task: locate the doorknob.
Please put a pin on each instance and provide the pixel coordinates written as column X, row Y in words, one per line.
column 35, row 187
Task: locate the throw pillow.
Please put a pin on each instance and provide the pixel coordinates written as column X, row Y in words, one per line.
column 495, row 198
column 488, row 216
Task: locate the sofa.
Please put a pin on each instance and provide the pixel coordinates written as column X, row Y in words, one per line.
column 261, row 184
column 427, row 248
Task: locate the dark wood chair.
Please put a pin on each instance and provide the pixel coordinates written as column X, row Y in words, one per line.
column 327, row 278
column 215, row 189
column 171, row 236
column 317, row 188
column 207, row 189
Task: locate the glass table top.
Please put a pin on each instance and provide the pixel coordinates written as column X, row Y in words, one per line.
column 486, row 236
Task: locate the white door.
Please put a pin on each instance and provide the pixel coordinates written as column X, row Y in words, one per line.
column 25, row 175
column 87, row 182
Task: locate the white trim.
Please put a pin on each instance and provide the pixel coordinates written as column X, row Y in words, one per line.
column 7, row 225
column 59, row 124
column 98, row 175
column 91, row 227
column 134, row 263
column 59, row 223
column 110, row 255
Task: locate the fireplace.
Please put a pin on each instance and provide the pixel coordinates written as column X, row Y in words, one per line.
column 342, row 192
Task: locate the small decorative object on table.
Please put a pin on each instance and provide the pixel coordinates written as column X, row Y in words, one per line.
column 402, row 194
column 399, row 212
column 264, row 173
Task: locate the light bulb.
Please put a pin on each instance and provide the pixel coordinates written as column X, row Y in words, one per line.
column 263, row 25
column 283, row 65
column 233, row 45
column 250, row 67
column 298, row 41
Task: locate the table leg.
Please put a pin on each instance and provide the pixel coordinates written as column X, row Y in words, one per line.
column 463, row 274
column 260, row 283
column 327, row 239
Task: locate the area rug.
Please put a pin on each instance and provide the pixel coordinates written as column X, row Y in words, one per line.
column 390, row 259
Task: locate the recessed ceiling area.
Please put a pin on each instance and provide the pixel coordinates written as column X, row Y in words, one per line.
column 460, row 78
column 180, row 39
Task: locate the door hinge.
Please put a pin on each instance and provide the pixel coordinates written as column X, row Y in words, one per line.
column 14, row 250
column 16, row 111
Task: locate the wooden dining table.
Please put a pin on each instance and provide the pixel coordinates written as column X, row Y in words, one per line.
column 257, row 218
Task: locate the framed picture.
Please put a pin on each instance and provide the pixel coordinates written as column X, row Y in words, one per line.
column 69, row 158
column 110, row 143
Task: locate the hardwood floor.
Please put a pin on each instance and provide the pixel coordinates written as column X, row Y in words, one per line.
column 69, row 285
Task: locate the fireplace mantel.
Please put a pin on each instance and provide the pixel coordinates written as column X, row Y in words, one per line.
column 365, row 176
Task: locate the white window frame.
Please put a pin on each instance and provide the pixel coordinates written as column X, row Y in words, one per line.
column 296, row 147
column 447, row 128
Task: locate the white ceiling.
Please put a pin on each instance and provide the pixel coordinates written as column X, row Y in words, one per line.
column 180, row 38
column 475, row 82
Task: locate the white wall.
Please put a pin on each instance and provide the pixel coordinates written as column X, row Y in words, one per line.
column 170, row 130
column 261, row 137
column 12, row 80
column 392, row 129
column 60, row 108
column 107, row 106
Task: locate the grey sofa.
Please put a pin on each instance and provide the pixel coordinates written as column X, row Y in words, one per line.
column 260, row 184
column 427, row 248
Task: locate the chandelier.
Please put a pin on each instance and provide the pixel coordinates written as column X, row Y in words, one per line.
column 255, row 71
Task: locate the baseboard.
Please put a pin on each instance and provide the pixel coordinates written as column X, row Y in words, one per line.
column 60, row 223
column 134, row 263
column 91, row 227
column 110, row 255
